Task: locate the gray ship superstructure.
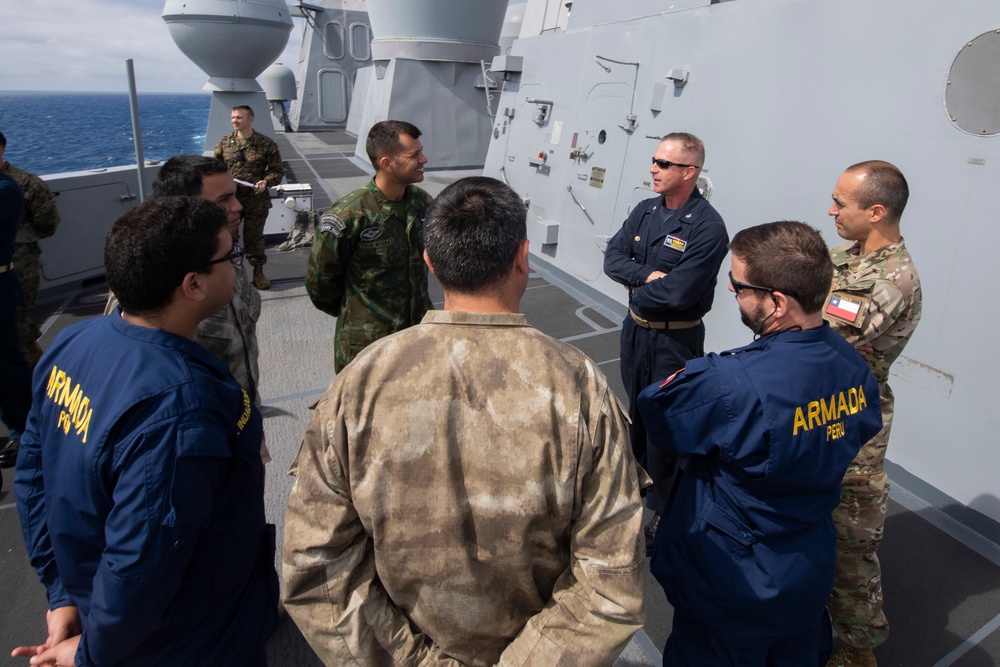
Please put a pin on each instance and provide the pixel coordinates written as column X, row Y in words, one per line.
column 785, row 94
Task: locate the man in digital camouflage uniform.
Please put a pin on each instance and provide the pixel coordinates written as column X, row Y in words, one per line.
column 875, row 304
column 230, row 334
column 253, row 158
column 366, row 267
column 39, row 221
column 466, row 493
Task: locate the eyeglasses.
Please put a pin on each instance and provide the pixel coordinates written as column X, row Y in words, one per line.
column 236, row 256
column 737, row 286
column 667, row 164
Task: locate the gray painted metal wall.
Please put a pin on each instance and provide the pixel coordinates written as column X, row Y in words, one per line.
column 785, row 94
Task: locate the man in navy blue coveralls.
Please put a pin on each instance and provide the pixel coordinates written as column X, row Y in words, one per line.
column 139, row 481
column 667, row 254
column 15, row 375
column 746, row 554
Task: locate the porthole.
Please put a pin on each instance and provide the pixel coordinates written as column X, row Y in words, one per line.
column 972, row 93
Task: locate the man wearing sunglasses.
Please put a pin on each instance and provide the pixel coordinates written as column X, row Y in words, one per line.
column 747, row 552
column 253, row 158
column 875, row 303
column 230, row 333
column 139, row 485
column 667, row 255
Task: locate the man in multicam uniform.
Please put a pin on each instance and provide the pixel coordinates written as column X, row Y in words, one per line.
column 39, row 221
column 466, row 493
column 253, row 158
column 231, row 333
column 366, row 267
column 875, row 304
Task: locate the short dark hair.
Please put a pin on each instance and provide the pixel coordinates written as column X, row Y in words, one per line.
column 383, row 139
column 182, row 175
column 471, row 234
column 692, row 145
column 789, row 257
column 883, row 184
column 245, row 108
column 150, row 249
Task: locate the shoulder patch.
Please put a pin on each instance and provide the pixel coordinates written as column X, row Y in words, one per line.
column 371, row 233
column 331, row 224
column 846, row 307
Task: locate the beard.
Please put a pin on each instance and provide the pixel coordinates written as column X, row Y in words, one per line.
column 756, row 319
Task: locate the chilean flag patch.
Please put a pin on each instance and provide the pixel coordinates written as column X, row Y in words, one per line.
column 844, row 307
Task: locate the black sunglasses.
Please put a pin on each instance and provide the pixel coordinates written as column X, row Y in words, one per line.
column 236, row 256
column 737, row 286
column 667, row 164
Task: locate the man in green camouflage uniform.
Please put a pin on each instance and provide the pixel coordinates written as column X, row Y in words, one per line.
column 466, row 493
column 231, row 333
column 875, row 304
column 39, row 221
column 253, row 158
column 366, row 266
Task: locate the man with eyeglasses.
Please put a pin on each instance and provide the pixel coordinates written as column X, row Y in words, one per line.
column 667, row 255
column 366, row 267
column 875, row 303
column 230, row 333
column 252, row 158
column 746, row 554
column 139, row 485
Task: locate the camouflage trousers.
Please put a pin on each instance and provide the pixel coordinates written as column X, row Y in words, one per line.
column 28, row 266
column 255, row 208
column 855, row 603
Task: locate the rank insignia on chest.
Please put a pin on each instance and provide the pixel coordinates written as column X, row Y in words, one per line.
column 675, row 243
column 845, row 307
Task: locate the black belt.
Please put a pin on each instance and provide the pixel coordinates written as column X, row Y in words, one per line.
column 675, row 324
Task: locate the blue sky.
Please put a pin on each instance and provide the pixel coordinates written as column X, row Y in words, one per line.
column 82, row 45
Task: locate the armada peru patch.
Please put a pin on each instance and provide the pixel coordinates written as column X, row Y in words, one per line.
column 846, row 307
column 371, row 234
column 675, row 243
column 330, row 223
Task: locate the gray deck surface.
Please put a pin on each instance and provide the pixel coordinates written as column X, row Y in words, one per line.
column 941, row 596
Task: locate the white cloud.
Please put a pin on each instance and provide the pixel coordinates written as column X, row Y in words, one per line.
column 82, row 45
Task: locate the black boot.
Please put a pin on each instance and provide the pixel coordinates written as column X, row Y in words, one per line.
column 8, row 454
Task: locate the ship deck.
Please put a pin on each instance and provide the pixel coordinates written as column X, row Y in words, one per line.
column 941, row 580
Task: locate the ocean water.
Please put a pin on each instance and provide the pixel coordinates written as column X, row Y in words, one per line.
column 49, row 133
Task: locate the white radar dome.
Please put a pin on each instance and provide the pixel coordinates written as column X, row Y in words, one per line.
column 234, row 39
column 278, row 83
